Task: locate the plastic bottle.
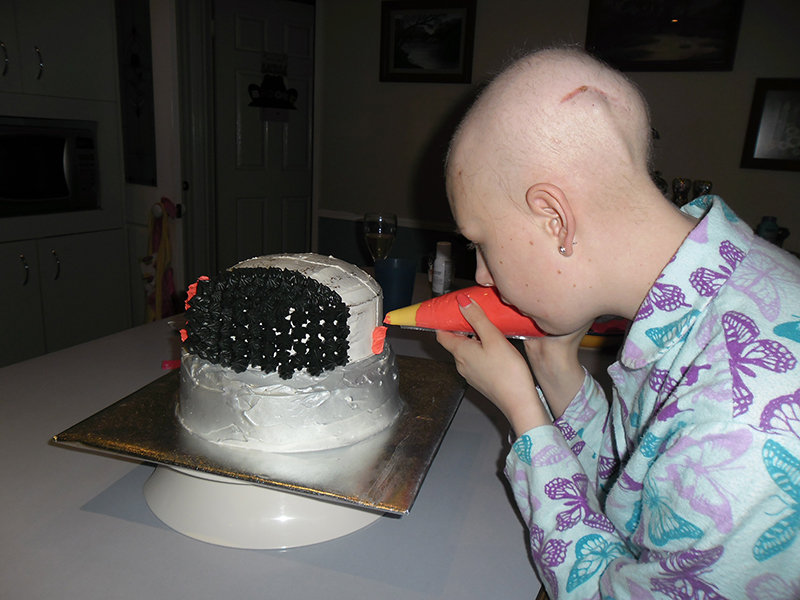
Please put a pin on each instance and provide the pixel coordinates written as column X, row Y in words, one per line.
column 442, row 269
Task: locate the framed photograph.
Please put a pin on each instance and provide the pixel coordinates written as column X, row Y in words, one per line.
column 664, row 35
column 773, row 132
column 427, row 40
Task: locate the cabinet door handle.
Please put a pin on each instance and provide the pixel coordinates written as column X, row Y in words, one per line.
column 24, row 266
column 41, row 62
column 58, row 265
column 5, row 58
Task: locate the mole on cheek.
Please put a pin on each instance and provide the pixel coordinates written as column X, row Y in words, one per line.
column 559, row 271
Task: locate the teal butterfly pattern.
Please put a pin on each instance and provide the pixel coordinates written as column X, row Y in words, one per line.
column 784, row 468
column 636, row 516
column 650, row 444
column 661, row 336
column 593, row 554
column 523, row 448
column 789, row 330
column 729, row 214
column 664, row 524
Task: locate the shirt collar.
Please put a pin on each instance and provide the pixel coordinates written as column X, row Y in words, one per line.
column 702, row 264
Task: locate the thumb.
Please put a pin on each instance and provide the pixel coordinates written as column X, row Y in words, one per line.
column 475, row 316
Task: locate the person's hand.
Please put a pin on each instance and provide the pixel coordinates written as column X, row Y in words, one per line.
column 554, row 360
column 495, row 368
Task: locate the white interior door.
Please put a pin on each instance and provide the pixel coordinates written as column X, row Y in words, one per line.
column 263, row 168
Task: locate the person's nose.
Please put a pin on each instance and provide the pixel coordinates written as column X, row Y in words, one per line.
column 482, row 275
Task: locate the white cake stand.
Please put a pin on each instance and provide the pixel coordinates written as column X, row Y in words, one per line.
column 237, row 514
column 230, row 497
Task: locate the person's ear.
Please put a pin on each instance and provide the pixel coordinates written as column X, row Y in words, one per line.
column 550, row 206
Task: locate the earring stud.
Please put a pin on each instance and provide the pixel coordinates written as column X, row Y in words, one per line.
column 563, row 250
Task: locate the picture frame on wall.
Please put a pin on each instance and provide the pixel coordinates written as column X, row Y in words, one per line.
column 772, row 140
column 427, row 41
column 664, row 35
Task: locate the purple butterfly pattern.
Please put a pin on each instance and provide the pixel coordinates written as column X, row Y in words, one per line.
column 680, row 577
column 782, row 415
column 566, row 429
column 706, row 281
column 771, row 586
column 527, row 502
column 761, row 278
column 747, row 351
column 705, row 473
column 607, row 466
column 578, row 447
column 574, row 492
column 547, row 555
column 580, row 409
column 663, row 296
column 664, row 386
column 550, row 454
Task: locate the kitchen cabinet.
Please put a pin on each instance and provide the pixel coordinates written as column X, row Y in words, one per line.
column 62, row 49
column 9, row 55
column 61, row 291
column 21, row 327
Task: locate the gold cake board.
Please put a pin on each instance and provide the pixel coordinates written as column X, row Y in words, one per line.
column 199, row 488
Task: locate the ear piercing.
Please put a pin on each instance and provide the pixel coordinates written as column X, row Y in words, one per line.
column 563, row 250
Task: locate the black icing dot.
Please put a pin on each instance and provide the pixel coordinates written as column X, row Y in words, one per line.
column 271, row 319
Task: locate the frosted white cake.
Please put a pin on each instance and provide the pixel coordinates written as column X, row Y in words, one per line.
column 280, row 409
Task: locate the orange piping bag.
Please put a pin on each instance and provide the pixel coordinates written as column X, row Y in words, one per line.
column 442, row 313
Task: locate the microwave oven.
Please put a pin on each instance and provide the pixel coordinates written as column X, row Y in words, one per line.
column 47, row 166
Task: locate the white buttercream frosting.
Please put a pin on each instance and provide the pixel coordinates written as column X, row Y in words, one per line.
column 261, row 411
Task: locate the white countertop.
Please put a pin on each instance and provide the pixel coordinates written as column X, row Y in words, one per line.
column 75, row 523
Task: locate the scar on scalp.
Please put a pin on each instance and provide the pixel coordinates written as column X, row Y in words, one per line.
column 582, row 89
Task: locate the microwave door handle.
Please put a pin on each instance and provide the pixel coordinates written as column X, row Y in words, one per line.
column 67, row 165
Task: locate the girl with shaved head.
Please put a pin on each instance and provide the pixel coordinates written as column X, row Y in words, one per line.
column 686, row 484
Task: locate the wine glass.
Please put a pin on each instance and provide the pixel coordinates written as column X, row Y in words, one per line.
column 379, row 231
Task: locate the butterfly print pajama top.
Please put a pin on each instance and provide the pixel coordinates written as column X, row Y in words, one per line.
column 687, row 484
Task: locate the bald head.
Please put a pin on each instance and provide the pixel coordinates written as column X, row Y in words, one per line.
column 548, row 176
column 558, row 116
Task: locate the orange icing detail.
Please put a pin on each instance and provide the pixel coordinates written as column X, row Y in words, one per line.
column 184, row 335
column 192, row 290
column 443, row 313
column 378, row 338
